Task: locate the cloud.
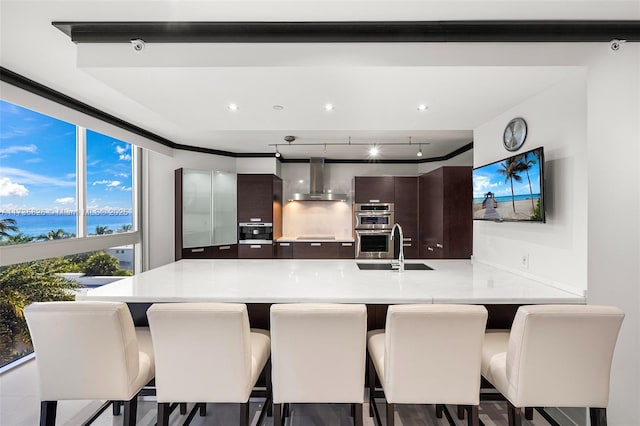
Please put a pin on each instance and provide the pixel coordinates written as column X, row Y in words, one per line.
column 125, row 157
column 34, row 160
column 13, row 133
column 108, row 183
column 125, row 188
column 124, row 175
column 17, row 148
column 9, row 189
column 121, row 149
column 29, row 178
column 66, row 200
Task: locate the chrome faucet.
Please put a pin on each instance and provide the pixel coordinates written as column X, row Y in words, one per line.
column 399, row 265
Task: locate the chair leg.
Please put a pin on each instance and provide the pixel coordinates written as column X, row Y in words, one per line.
column 528, row 413
column 357, row 414
column 269, row 384
column 164, row 410
column 244, row 414
column 372, row 384
column 48, row 413
column 183, row 408
column 130, row 411
column 472, row 417
column 460, row 412
column 287, row 410
column 514, row 414
column 203, row 409
column 115, row 406
column 390, row 414
column 277, row 414
column 439, row 410
column 598, row 416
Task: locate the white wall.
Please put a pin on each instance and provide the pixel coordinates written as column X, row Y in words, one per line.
column 158, row 205
column 258, row 165
column 557, row 250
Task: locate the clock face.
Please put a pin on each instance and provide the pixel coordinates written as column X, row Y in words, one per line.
column 514, row 134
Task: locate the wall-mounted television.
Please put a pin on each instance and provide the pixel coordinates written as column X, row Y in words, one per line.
column 510, row 190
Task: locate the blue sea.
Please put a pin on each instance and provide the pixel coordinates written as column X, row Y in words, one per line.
column 508, row 198
column 35, row 225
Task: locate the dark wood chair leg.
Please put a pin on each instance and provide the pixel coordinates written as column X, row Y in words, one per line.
column 514, row 414
column 357, row 414
column 528, row 413
column 390, row 414
column 183, row 408
column 203, row 409
column 461, row 412
column 598, row 416
column 472, row 418
column 372, row 384
column 287, row 410
column 164, row 410
column 115, row 406
column 244, row 414
column 277, row 414
column 269, row 384
column 130, row 411
column 48, row 413
column 439, row 410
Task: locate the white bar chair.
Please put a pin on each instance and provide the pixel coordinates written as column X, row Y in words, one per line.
column 318, row 355
column 428, row 354
column 554, row 356
column 89, row 351
column 206, row 352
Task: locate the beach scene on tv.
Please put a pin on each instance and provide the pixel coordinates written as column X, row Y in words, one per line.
column 509, row 189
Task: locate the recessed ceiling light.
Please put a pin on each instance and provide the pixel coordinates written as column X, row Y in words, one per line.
column 419, row 153
column 232, row 107
column 422, row 107
column 278, row 107
column 329, row 107
column 301, row 181
column 374, row 151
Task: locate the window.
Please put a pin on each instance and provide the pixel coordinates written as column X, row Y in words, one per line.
column 37, row 176
column 109, row 183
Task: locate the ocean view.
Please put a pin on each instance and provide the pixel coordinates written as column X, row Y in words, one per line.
column 34, row 225
column 507, row 198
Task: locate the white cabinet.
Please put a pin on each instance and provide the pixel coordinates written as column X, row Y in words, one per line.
column 206, row 209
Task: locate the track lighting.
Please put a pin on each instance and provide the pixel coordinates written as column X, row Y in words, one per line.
column 419, row 154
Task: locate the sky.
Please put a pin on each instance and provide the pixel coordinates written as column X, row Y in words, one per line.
column 487, row 178
column 38, row 166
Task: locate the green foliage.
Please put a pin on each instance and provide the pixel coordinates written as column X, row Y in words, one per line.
column 7, row 225
column 537, row 214
column 21, row 285
column 123, row 273
column 101, row 264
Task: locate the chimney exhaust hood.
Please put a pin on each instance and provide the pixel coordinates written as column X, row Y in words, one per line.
column 316, row 185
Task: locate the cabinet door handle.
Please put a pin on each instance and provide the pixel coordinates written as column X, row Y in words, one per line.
column 255, row 219
column 285, row 244
column 430, row 248
column 224, row 248
column 256, row 246
column 438, row 245
column 198, row 250
column 407, row 245
column 347, row 244
column 406, row 239
column 374, row 201
column 315, row 244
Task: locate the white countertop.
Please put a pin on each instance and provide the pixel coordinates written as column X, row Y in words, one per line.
column 339, row 281
column 314, row 239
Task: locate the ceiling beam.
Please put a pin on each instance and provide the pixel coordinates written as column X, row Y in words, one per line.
column 353, row 31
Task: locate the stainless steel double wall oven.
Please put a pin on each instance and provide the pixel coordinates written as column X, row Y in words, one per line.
column 373, row 223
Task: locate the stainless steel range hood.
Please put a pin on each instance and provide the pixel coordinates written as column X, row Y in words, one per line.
column 316, row 185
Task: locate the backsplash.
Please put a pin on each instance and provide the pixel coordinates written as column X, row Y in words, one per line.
column 317, row 218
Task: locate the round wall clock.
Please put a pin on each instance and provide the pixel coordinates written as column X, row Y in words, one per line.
column 514, row 134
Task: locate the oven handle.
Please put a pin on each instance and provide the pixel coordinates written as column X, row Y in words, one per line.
column 373, row 231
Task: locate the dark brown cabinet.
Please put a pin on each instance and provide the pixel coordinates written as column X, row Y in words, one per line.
column 315, row 250
column 346, row 250
column 374, row 189
column 260, row 200
column 446, row 221
column 284, row 250
column 406, row 213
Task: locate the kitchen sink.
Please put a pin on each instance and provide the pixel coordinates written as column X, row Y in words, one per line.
column 387, row 267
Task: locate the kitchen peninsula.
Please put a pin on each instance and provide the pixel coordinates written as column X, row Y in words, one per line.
column 261, row 282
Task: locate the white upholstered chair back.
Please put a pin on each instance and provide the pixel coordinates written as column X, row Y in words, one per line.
column 433, row 353
column 203, row 351
column 85, row 350
column 560, row 355
column 318, row 353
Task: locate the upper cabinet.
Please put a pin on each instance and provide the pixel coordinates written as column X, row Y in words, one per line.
column 205, row 213
column 374, row 189
column 446, row 221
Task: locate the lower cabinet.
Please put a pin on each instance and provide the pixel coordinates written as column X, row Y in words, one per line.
column 346, row 250
column 229, row 251
column 284, row 250
column 255, row 251
column 315, row 250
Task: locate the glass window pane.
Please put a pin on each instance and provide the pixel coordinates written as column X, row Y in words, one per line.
column 109, row 185
column 37, row 176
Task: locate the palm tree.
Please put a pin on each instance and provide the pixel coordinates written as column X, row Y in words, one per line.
column 101, row 230
column 125, row 228
column 526, row 164
column 510, row 171
column 8, row 225
column 54, row 235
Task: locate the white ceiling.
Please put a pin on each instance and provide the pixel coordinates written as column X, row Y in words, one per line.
column 181, row 92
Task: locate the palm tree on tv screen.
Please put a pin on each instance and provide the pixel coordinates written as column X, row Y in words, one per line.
column 527, row 161
column 509, row 168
